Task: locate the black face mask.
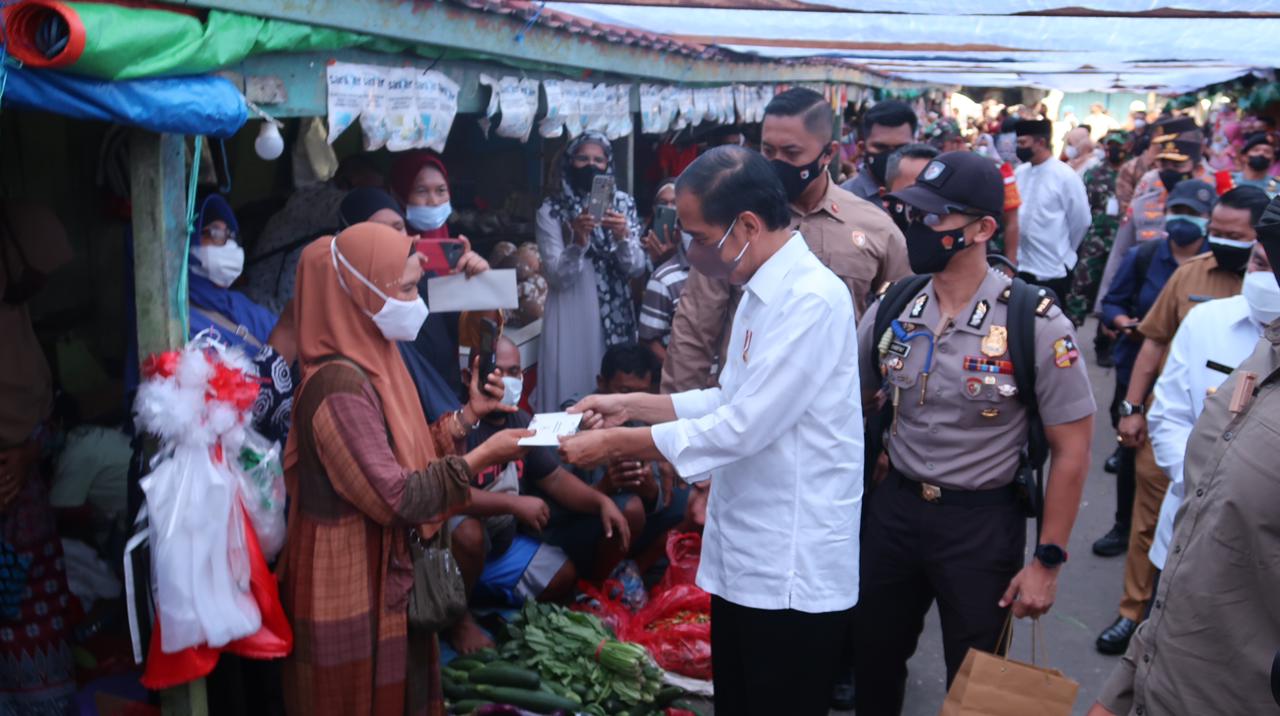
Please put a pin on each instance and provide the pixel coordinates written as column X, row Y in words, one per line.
column 878, row 165
column 1182, row 232
column 1259, row 163
column 898, row 212
column 1171, row 177
column 580, row 178
column 930, row 251
column 1025, row 154
column 796, row 179
column 1229, row 258
column 1115, row 154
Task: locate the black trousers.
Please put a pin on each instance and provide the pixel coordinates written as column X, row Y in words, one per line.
column 1060, row 286
column 1126, row 472
column 915, row 552
column 767, row 662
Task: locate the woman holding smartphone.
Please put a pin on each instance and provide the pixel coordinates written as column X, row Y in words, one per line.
column 588, row 259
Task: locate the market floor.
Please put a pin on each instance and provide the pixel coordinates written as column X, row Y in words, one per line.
column 1088, row 590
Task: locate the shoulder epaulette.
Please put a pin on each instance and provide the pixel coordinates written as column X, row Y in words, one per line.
column 1044, row 304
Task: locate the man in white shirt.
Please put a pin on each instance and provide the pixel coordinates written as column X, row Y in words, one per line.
column 783, row 434
column 1054, row 215
column 1213, row 340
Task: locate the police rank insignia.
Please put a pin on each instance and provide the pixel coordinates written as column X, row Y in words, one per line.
column 996, row 342
column 1007, row 390
column 979, row 314
column 1065, row 353
column 917, row 308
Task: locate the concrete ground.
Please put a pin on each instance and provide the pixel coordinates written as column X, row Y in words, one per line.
column 1088, row 590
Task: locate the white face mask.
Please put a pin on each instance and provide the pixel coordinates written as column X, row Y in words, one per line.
column 1072, row 152
column 397, row 319
column 512, row 389
column 428, row 218
column 1263, row 295
column 220, row 264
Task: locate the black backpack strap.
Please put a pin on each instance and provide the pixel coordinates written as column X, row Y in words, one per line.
column 1024, row 302
column 891, row 303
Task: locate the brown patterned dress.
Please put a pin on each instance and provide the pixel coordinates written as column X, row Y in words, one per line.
column 346, row 572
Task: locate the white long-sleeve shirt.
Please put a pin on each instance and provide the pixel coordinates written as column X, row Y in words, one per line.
column 1219, row 331
column 783, row 436
column 1052, row 220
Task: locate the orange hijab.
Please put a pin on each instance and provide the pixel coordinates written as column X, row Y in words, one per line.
column 332, row 322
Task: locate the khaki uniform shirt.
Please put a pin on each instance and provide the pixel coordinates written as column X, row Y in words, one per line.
column 1127, row 180
column 1196, row 281
column 970, row 430
column 1214, row 627
column 854, row 238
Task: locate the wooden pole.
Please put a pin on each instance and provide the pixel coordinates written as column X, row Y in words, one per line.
column 158, row 187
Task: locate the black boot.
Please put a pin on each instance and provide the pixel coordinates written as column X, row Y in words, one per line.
column 1114, row 640
column 1113, row 543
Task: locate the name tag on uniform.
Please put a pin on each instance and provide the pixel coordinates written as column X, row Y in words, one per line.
column 900, row 349
column 979, row 364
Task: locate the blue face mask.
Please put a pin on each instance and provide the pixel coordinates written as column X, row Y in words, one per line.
column 428, row 218
column 1185, row 230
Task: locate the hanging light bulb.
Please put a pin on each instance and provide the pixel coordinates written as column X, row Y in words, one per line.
column 269, row 144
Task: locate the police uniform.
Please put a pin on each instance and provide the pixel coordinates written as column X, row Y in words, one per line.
column 946, row 523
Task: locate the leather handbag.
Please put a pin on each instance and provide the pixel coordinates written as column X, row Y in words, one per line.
column 438, row 598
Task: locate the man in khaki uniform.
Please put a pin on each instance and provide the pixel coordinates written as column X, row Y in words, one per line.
column 1206, row 277
column 946, row 523
column 854, row 238
column 1209, row 646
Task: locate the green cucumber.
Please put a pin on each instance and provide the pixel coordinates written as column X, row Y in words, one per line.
column 457, row 692
column 538, row 701
column 466, row 706
column 465, row 664
column 456, row 675
column 485, row 655
column 667, row 696
column 498, row 674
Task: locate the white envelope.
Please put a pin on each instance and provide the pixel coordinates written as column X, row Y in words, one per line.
column 550, row 427
column 488, row 291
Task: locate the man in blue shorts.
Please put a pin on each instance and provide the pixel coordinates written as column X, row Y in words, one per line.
column 495, row 539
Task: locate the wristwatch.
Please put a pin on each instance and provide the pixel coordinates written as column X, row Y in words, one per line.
column 1127, row 408
column 1051, row 555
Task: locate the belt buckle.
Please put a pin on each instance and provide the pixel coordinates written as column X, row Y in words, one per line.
column 930, row 493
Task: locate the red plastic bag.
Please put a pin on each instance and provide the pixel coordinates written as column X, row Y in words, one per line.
column 684, row 552
column 676, row 630
column 604, row 602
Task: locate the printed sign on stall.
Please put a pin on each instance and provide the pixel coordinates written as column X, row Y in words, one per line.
column 397, row 107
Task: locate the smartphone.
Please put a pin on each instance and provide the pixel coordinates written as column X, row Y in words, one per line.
column 602, row 190
column 440, row 257
column 488, row 346
column 664, row 224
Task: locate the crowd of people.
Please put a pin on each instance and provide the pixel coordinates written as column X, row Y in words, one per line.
column 855, row 366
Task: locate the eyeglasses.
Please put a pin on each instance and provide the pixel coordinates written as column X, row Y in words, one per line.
column 217, row 235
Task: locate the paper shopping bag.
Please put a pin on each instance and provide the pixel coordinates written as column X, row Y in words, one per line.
column 993, row 685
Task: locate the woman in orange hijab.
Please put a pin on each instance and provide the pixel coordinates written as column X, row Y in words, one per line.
column 363, row 467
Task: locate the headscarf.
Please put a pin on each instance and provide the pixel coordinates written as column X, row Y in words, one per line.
column 405, row 171
column 363, row 202
column 203, row 293
column 435, row 393
column 617, row 312
column 332, row 322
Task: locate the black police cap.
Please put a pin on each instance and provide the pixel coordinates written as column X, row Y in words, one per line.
column 957, row 183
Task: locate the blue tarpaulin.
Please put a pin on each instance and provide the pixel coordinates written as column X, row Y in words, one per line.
column 200, row 104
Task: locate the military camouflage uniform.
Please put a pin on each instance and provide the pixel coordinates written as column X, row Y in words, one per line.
column 1100, row 185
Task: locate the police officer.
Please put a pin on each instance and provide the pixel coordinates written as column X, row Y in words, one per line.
column 946, row 521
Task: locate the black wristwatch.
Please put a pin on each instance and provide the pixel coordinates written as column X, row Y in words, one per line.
column 1126, row 408
column 1051, row 555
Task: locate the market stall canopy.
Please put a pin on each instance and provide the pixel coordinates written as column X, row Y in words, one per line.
column 1156, row 45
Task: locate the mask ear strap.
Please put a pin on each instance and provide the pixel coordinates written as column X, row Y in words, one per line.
column 337, row 256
